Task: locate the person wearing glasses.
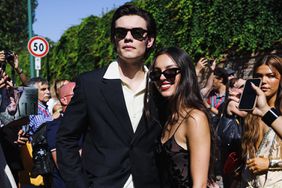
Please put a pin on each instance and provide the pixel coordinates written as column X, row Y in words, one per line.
column 107, row 106
column 186, row 137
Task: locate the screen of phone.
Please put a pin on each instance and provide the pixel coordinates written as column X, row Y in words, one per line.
column 249, row 95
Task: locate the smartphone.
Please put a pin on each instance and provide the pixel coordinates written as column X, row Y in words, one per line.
column 249, row 95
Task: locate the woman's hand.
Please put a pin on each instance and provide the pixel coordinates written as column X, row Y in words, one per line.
column 200, row 65
column 261, row 105
column 258, row 165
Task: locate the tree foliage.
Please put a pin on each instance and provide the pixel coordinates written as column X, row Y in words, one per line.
column 14, row 29
column 13, row 25
column 209, row 28
column 212, row 28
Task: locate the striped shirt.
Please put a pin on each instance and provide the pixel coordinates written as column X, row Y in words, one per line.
column 37, row 120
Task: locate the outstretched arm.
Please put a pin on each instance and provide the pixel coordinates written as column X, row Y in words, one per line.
column 16, row 67
column 208, row 87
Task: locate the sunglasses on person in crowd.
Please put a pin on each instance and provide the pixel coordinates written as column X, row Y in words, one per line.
column 137, row 33
column 168, row 73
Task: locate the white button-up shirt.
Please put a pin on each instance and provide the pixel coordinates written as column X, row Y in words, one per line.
column 134, row 101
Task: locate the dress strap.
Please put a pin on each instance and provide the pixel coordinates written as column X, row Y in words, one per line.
column 180, row 123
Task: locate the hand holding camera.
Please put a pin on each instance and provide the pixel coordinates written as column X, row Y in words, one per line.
column 9, row 56
column 22, row 138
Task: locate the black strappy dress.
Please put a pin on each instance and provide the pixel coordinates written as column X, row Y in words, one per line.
column 177, row 161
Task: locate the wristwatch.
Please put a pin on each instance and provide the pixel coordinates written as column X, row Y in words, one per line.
column 270, row 116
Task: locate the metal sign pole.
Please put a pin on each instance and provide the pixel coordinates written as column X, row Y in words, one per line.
column 37, row 65
column 30, row 34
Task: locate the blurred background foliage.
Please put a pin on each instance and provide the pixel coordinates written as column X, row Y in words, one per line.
column 210, row 28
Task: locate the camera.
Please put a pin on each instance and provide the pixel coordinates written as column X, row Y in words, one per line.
column 25, row 129
column 9, row 55
column 210, row 61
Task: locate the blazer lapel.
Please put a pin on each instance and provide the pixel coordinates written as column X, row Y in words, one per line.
column 112, row 91
column 147, row 125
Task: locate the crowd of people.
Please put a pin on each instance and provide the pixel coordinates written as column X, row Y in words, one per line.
column 126, row 125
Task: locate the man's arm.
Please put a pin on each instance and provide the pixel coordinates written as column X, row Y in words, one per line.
column 15, row 65
column 68, row 136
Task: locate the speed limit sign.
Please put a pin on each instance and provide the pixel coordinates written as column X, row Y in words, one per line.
column 38, row 46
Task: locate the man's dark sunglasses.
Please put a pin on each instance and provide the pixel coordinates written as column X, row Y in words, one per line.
column 137, row 33
column 168, row 73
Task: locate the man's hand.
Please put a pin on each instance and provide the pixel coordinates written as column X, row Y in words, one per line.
column 22, row 138
column 232, row 108
column 2, row 56
column 2, row 82
column 5, row 80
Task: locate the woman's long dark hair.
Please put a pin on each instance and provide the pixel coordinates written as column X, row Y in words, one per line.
column 251, row 128
column 187, row 93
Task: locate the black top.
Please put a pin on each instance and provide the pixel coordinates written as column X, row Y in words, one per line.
column 177, row 159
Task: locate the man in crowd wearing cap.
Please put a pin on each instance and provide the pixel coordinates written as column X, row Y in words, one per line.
column 230, row 73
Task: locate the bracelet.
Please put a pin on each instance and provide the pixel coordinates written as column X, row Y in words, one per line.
column 270, row 116
column 275, row 164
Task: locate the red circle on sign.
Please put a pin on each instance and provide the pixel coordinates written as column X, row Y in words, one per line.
column 41, row 39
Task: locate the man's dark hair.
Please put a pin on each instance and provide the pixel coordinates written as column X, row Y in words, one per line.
column 129, row 9
column 36, row 80
column 221, row 73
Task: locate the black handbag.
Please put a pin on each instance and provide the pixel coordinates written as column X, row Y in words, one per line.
column 229, row 134
column 229, row 130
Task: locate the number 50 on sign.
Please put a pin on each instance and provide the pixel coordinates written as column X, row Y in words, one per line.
column 38, row 46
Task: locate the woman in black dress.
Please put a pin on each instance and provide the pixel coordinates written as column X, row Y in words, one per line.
column 186, row 139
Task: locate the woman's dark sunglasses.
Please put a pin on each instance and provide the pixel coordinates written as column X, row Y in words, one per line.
column 168, row 73
column 137, row 33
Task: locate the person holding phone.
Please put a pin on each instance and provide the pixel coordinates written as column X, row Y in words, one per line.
column 262, row 108
column 261, row 146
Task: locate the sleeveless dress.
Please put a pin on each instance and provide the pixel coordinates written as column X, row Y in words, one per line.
column 270, row 147
column 177, row 161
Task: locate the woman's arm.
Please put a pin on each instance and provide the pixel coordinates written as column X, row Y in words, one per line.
column 199, row 143
column 208, row 87
column 262, row 108
column 19, row 71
